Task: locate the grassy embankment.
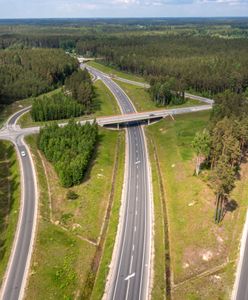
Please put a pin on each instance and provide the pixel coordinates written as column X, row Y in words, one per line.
column 159, row 268
column 142, row 101
column 69, row 232
column 114, row 72
column 104, row 105
column 7, row 110
column 10, row 193
column 139, row 95
column 202, row 254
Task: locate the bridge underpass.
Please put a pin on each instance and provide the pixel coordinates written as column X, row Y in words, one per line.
column 124, row 124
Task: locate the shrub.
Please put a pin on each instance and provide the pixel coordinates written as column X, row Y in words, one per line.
column 71, row 195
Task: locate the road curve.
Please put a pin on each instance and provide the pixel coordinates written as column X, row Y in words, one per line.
column 130, row 272
column 16, row 274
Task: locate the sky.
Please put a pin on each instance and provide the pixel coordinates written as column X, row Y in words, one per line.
column 121, row 8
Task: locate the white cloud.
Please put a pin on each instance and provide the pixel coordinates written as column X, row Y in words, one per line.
column 122, row 8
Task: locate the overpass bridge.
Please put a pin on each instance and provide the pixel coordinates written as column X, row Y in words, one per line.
column 116, row 121
column 148, row 116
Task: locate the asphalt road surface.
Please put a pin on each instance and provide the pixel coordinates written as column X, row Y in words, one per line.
column 14, row 283
column 242, row 288
column 130, row 273
column 240, row 291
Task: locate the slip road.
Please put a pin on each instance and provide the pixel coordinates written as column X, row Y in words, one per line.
column 15, row 278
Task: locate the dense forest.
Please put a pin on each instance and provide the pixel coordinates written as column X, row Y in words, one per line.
column 30, row 72
column 75, row 100
column 206, row 56
column 202, row 64
column 80, row 87
column 167, row 91
column 69, row 149
column 55, row 107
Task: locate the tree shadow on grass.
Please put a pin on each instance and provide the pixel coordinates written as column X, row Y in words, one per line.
column 230, row 205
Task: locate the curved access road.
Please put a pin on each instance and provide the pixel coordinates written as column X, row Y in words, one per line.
column 131, row 262
column 16, row 274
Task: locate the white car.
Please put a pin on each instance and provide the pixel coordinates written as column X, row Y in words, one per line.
column 23, row 153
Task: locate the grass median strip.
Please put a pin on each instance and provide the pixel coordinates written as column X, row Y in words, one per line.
column 10, row 194
column 102, row 273
column 159, row 263
column 114, row 72
column 202, row 253
column 66, row 245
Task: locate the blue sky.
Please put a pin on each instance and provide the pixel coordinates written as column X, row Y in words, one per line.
column 121, row 8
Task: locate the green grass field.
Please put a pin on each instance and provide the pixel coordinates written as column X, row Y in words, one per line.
column 142, row 101
column 113, row 224
column 104, row 105
column 115, row 72
column 159, row 286
column 69, row 231
column 197, row 244
column 10, row 193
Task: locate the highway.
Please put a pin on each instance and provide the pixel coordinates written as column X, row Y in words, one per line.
column 130, row 272
column 129, row 275
column 149, row 115
column 146, row 85
column 17, row 270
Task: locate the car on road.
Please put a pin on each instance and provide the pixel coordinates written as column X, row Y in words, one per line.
column 23, row 153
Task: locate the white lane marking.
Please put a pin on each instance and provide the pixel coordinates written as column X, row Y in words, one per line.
column 127, row 175
column 135, row 228
column 136, row 212
column 130, row 276
column 133, row 247
column 137, row 198
column 137, row 162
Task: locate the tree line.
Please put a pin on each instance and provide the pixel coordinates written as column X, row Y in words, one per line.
column 204, row 64
column 165, row 91
column 79, row 85
column 75, row 100
column 223, row 146
column 55, row 107
column 69, row 149
column 30, row 72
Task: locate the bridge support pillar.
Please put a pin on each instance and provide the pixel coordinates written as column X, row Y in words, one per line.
column 149, row 121
column 118, row 126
